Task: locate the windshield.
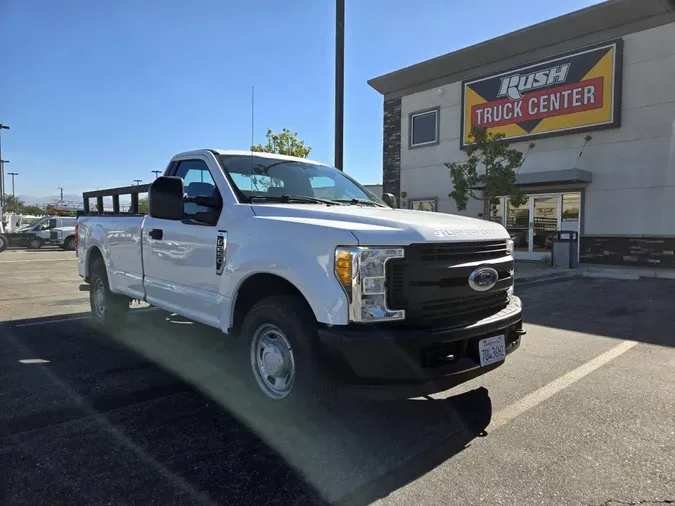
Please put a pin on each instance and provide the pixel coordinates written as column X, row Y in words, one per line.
column 257, row 176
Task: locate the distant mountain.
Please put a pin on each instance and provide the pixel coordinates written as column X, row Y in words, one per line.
column 30, row 200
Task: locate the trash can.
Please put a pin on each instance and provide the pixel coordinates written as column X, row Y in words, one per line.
column 566, row 249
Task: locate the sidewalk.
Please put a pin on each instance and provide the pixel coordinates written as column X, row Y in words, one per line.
column 531, row 272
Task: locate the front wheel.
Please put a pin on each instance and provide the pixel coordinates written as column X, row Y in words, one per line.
column 69, row 244
column 34, row 243
column 108, row 309
column 283, row 352
column 3, row 243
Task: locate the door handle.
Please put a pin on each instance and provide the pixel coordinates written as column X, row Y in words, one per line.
column 157, row 234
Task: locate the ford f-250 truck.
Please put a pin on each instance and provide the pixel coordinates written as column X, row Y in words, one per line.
column 321, row 282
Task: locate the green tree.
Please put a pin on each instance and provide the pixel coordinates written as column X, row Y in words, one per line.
column 33, row 210
column 491, row 165
column 284, row 143
column 143, row 205
column 13, row 204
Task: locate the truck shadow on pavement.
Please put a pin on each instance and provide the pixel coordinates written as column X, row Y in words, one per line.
column 642, row 310
column 158, row 413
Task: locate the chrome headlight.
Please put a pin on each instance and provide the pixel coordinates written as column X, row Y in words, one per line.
column 59, row 234
column 361, row 272
column 509, row 247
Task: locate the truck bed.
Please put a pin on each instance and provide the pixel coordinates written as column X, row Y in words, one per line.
column 117, row 234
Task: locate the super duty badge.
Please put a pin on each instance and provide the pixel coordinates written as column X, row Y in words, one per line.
column 464, row 231
column 221, row 247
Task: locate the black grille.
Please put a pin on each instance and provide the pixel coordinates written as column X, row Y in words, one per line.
column 456, row 253
column 53, row 235
column 477, row 307
column 431, row 282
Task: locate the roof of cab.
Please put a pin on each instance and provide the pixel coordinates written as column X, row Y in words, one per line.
column 273, row 156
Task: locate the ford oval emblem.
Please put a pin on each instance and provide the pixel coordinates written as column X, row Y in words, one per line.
column 483, row 279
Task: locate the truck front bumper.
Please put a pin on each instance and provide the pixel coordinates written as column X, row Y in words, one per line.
column 383, row 355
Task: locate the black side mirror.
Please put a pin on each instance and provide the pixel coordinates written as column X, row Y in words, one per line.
column 165, row 198
column 389, row 199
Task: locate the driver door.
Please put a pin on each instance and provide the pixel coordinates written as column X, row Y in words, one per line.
column 179, row 257
column 43, row 230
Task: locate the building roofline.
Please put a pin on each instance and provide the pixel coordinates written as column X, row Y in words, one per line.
column 596, row 19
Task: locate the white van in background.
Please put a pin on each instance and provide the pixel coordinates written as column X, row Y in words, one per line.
column 51, row 230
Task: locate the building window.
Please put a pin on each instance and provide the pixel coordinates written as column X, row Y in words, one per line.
column 423, row 205
column 424, row 128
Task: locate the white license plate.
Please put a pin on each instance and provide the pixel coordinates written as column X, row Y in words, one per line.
column 491, row 350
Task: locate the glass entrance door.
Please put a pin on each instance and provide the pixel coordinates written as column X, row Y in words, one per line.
column 518, row 226
column 533, row 225
column 544, row 224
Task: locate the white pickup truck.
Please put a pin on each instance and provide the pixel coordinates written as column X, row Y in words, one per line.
column 321, row 282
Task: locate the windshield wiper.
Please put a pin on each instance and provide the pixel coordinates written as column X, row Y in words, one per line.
column 359, row 201
column 292, row 198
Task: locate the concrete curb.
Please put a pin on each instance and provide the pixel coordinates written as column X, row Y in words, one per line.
column 611, row 275
column 547, row 278
column 594, row 273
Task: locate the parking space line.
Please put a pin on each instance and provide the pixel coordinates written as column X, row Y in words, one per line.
column 540, row 395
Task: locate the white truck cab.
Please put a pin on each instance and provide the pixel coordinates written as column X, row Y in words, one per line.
column 51, row 230
column 319, row 291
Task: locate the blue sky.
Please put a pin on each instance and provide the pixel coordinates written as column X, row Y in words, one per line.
column 99, row 93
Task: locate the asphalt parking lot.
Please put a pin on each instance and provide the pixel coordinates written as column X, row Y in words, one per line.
column 583, row 413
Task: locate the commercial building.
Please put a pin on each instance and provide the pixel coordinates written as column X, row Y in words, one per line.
column 589, row 96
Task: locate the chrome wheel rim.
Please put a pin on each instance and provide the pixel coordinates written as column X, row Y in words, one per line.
column 272, row 361
column 2, row 242
column 99, row 299
column 34, row 243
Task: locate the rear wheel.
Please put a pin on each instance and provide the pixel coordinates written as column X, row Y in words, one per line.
column 34, row 243
column 3, row 243
column 108, row 309
column 69, row 243
column 283, row 352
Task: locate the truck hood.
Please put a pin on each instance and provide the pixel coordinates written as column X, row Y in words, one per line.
column 379, row 226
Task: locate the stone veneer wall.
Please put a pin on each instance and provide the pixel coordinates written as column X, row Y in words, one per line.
column 391, row 156
column 651, row 251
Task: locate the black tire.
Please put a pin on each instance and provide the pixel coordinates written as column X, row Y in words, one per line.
column 69, row 243
column 4, row 243
column 290, row 315
column 108, row 309
column 34, row 243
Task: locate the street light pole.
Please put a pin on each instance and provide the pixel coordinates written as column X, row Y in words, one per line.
column 156, row 172
column 339, row 80
column 2, row 181
column 2, row 168
column 138, row 181
column 13, row 196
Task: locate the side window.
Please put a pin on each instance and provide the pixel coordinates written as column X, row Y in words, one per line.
column 198, row 182
column 46, row 225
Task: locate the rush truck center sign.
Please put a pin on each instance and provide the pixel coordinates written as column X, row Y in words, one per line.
column 572, row 92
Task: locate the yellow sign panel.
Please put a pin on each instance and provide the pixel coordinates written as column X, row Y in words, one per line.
column 572, row 92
